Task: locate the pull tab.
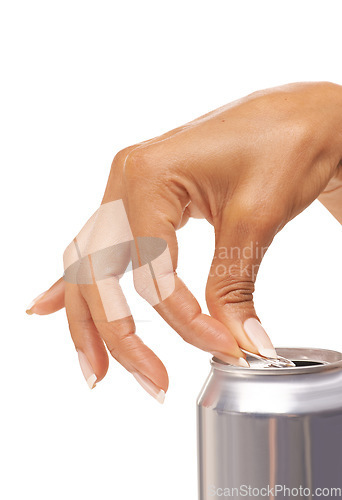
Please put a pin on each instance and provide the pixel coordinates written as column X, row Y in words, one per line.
column 278, row 362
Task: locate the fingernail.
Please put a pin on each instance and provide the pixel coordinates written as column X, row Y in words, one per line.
column 87, row 370
column 259, row 338
column 33, row 303
column 231, row 360
column 150, row 387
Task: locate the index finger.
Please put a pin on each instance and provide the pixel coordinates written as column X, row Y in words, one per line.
column 156, row 280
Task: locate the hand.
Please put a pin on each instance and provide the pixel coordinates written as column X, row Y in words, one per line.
column 331, row 197
column 248, row 168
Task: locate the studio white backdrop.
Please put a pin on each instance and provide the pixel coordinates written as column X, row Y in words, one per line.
column 80, row 81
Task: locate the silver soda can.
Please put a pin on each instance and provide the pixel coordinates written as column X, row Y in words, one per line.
column 266, row 432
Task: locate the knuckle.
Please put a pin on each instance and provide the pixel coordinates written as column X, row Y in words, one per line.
column 136, row 169
column 121, row 156
column 303, row 148
column 122, row 343
column 120, row 159
column 144, row 286
column 140, row 285
column 126, row 340
column 230, row 290
column 142, row 163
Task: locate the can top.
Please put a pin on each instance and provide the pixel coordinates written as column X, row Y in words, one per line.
column 307, row 360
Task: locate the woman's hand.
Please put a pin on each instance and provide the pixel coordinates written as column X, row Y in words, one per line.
column 332, row 195
column 248, row 168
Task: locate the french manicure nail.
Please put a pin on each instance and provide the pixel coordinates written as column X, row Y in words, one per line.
column 259, row 338
column 33, row 303
column 87, row 370
column 231, row 360
column 150, row 387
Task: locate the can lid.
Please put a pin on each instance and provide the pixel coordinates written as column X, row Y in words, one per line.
column 305, row 360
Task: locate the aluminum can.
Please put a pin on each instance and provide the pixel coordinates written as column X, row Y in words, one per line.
column 268, row 432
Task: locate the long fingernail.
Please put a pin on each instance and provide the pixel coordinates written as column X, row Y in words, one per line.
column 231, row 360
column 259, row 338
column 33, row 303
column 87, row 370
column 150, row 387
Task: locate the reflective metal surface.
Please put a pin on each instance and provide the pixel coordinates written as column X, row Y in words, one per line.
column 265, row 427
column 278, row 362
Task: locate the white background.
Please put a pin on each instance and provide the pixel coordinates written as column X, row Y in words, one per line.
column 79, row 81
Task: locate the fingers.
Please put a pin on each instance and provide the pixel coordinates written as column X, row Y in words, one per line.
column 50, row 301
column 241, row 241
column 94, row 262
column 103, row 252
column 124, row 345
column 331, row 198
column 155, row 278
column 90, row 329
column 183, row 313
column 91, row 351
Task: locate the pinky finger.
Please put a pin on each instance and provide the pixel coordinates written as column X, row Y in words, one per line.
column 50, row 301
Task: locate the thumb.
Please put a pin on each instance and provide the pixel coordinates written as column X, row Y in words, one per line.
column 239, row 249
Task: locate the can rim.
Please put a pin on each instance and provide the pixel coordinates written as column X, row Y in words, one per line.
column 326, row 360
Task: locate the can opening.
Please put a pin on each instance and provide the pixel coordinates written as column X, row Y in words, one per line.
column 305, row 362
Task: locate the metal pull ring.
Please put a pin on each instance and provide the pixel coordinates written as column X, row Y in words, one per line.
column 278, row 362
